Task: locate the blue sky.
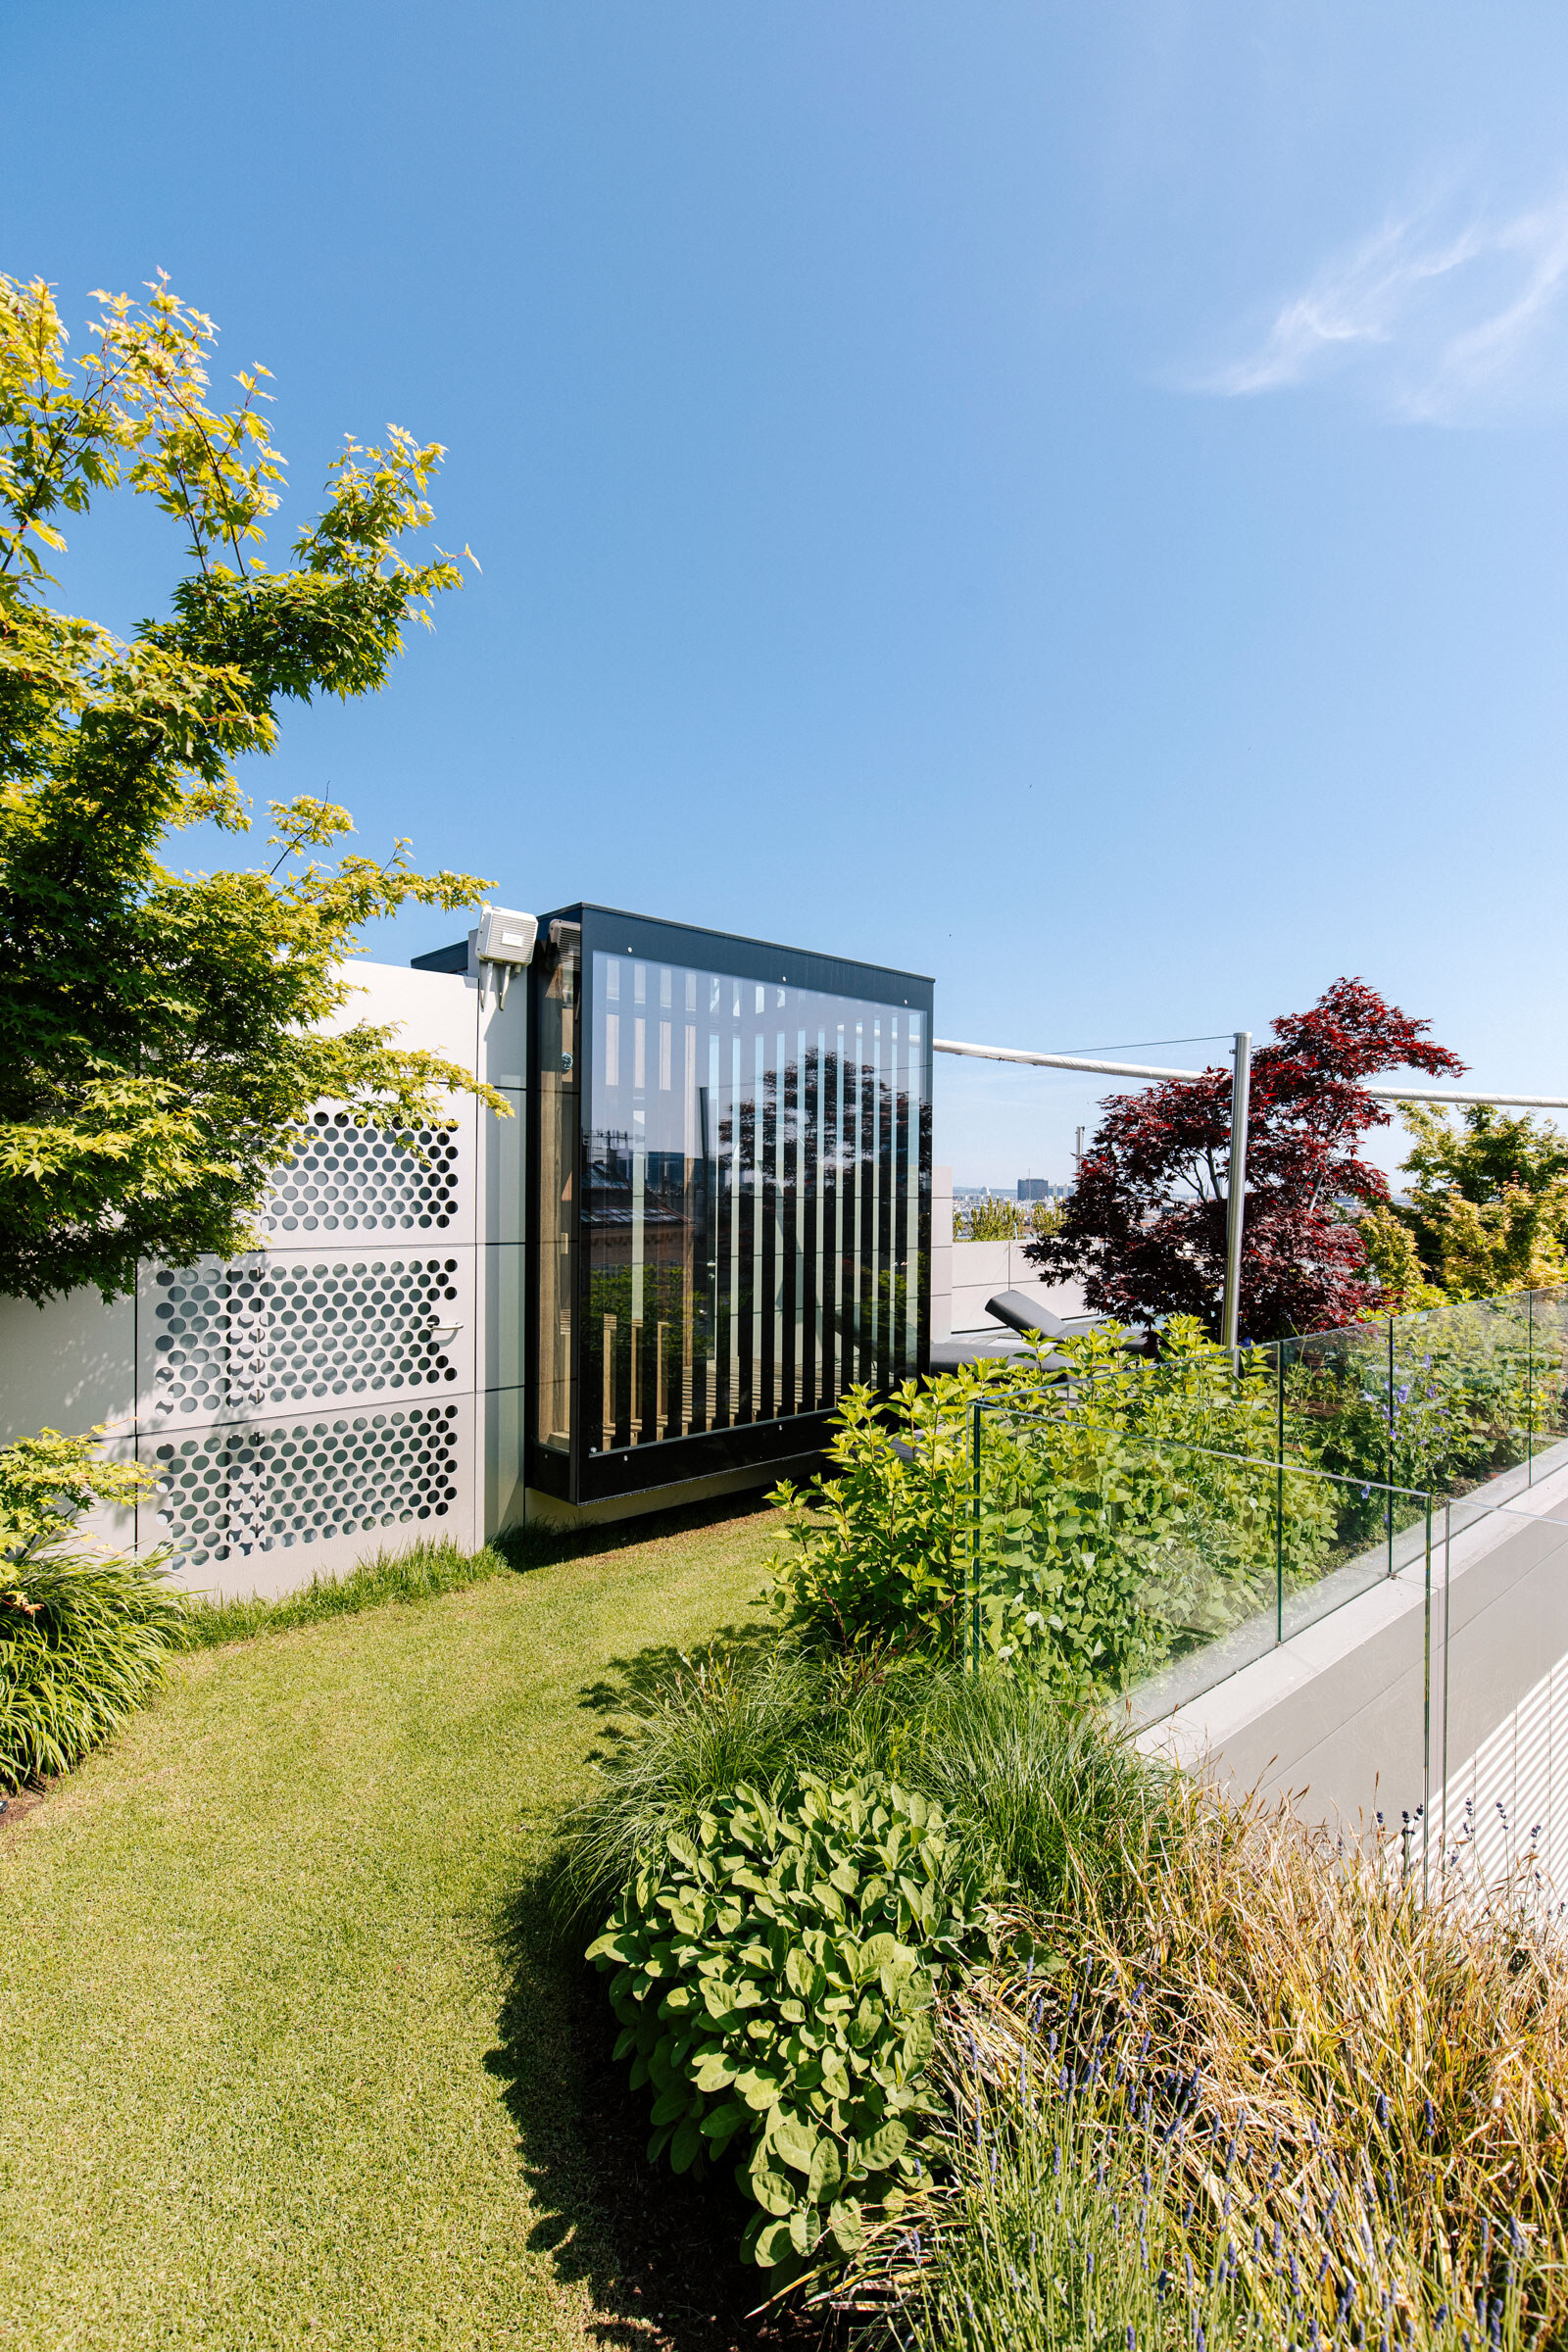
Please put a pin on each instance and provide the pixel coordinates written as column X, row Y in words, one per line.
column 1071, row 501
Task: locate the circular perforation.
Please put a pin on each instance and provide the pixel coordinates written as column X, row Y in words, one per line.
column 249, row 1336
column 238, row 1490
column 348, row 1179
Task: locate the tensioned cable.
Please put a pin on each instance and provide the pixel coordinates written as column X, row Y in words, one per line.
column 1140, row 1045
column 1135, row 1069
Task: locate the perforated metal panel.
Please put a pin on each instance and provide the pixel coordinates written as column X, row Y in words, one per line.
column 255, row 1335
column 317, row 1397
column 228, row 1493
column 348, row 1179
column 1504, row 1813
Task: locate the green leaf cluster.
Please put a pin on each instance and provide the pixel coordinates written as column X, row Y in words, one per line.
column 774, row 1972
column 48, row 1480
column 1119, row 1512
column 1484, row 1212
column 163, row 1035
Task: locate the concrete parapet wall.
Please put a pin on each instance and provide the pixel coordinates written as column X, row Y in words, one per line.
column 1443, row 1686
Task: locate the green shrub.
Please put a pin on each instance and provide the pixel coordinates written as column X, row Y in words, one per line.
column 83, row 1636
column 720, row 1723
column 48, row 1480
column 877, row 1557
column 83, row 1642
column 1121, row 1510
column 1046, row 1801
column 774, row 1975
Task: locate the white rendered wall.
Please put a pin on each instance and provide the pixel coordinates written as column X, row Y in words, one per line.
column 965, row 1274
column 980, row 1269
column 354, row 1386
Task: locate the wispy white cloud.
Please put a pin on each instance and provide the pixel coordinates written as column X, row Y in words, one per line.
column 1448, row 323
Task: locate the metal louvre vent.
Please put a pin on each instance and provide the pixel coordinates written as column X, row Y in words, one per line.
column 249, row 1336
column 228, row 1493
column 348, row 1179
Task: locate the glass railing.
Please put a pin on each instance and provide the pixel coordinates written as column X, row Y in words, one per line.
column 1445, row 1401
column 1161, row 1527
column 1155, row 1567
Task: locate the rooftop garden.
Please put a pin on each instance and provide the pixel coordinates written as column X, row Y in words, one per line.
column 448, row 1955
column 467, row 1956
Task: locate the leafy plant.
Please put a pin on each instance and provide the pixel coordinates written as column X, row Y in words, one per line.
column 1104, row 1523
column 877, row 1555
column 1394, row 1261
column 83, row 1641
column 1047, row 1805
column 163, row 1036
column 84, row 1637
column 774, row 1972
column 1488, row 1202
column 48, row 1480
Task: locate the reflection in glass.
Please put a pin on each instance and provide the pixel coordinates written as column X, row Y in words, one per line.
column 752, row 1212
column 558, row 1113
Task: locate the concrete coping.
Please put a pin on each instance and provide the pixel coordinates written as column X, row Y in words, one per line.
column 1193, row 1708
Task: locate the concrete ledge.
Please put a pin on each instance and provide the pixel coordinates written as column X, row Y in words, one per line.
column 1340, row 1715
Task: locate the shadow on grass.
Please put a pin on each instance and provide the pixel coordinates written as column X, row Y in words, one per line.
column 628, row 1683
column 657, row 2254
column 542, row 1544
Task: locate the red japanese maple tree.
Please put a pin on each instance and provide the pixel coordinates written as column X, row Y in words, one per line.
column 1145, row 1225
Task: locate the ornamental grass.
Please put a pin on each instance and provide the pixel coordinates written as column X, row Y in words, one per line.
column 1274, row 2097
column 83, row 1640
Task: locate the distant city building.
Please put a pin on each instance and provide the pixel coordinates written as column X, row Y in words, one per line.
column 1035, row 1188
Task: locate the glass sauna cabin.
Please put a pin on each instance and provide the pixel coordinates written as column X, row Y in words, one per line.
column 729, row 1200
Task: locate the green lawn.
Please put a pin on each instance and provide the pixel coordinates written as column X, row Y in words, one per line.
column 284, row 2060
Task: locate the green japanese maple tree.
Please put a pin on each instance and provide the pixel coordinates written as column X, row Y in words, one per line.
column 161, row 1033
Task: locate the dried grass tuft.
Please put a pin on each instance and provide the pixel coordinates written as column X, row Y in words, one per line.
column 1345, row 2088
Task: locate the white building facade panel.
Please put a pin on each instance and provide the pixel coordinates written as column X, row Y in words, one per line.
column 303, row 1329
column 263, row 1505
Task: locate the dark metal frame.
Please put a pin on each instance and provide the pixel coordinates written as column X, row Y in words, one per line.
column 787, row 1445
